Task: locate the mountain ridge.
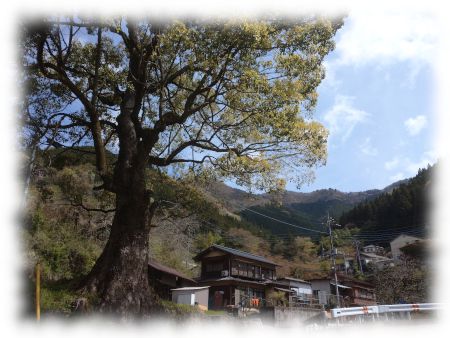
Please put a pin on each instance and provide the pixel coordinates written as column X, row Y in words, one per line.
column 239, row 199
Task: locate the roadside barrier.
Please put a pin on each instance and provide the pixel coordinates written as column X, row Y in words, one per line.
column 378, row 309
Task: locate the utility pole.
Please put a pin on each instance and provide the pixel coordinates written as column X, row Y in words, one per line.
column 345, row 263
column 358, row 256
column 333, row 256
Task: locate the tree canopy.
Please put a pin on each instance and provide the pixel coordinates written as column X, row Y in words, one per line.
column 235, row 96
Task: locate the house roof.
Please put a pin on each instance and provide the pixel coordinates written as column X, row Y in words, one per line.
column 340, row 285
column 343, row 279
column 192, row 288
column 166, row 269
column 294, row 279
column 371, row 255
column 235, row 252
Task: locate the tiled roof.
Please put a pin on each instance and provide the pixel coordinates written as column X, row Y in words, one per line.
column 294, row 279
column 235, row 252
column 166, row 269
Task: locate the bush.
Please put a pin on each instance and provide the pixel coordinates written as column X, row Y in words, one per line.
column 180, row 311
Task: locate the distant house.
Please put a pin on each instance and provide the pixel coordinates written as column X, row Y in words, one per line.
column 195, row 296
column 373, row 249
column 401, row 241
column 163, row 279
column 380, row 262
column 324, row 289
column 236, row 277
column 361, row 293
column 352, row 292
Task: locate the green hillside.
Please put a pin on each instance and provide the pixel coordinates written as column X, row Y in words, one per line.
column 403, row 210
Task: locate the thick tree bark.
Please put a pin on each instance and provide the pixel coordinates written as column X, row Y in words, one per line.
column 120, row 276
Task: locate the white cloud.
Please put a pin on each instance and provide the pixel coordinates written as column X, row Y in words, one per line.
column 392, row 164
column 330, row 75
column 397, row 177
column 408, row 167
column 342, row 118
column 412, row 167
column 382, row 38
column 367, row 148
column 416, row 124
column 387, row 36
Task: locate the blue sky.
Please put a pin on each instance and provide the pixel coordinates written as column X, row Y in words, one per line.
column 377, row 101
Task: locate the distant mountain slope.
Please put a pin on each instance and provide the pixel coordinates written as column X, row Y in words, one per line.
column 403, row 208
column 303, row 209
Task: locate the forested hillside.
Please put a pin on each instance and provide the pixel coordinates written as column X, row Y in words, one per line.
column 402, row 210
column 307, row 210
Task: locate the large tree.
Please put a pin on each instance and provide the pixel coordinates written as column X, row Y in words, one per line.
column 234, row 98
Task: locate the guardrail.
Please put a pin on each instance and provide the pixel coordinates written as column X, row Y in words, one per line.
column 378, row 309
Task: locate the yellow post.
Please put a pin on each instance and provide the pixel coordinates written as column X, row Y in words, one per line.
column 38, row 291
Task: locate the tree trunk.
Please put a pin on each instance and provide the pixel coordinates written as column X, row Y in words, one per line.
column 119, row 278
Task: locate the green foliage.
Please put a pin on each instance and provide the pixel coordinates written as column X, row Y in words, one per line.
column 277, row 298
column 62, row 254
column 283, row 214
column 59, row 158
column 215, row 313
column 57, row 299
column 406, row 206
column 316, row 210
column 63, row 251
column 205, row 240
column 76, row 182
column 341, row 237
column 306, row 249
column 180, row 311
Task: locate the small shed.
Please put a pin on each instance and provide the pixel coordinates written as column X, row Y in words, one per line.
column 162, row 279
column 192, row 296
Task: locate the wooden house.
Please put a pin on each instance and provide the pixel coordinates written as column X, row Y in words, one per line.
column 362, row 293
column 235, row 277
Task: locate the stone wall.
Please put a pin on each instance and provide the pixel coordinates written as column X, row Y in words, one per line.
column 294, row 317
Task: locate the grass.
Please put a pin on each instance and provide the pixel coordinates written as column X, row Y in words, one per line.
column 215, row 312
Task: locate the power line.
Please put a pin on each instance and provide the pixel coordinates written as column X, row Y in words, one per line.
column 395, row 228
column 383, row 237
column 287, row 223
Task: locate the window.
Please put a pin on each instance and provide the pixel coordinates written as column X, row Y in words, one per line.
column 214, row 267
column 244, row 269
column 268, row 274
column 257, row 272
column 251, row 271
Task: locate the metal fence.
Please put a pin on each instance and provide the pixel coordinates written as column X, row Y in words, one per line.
column 378, row 310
